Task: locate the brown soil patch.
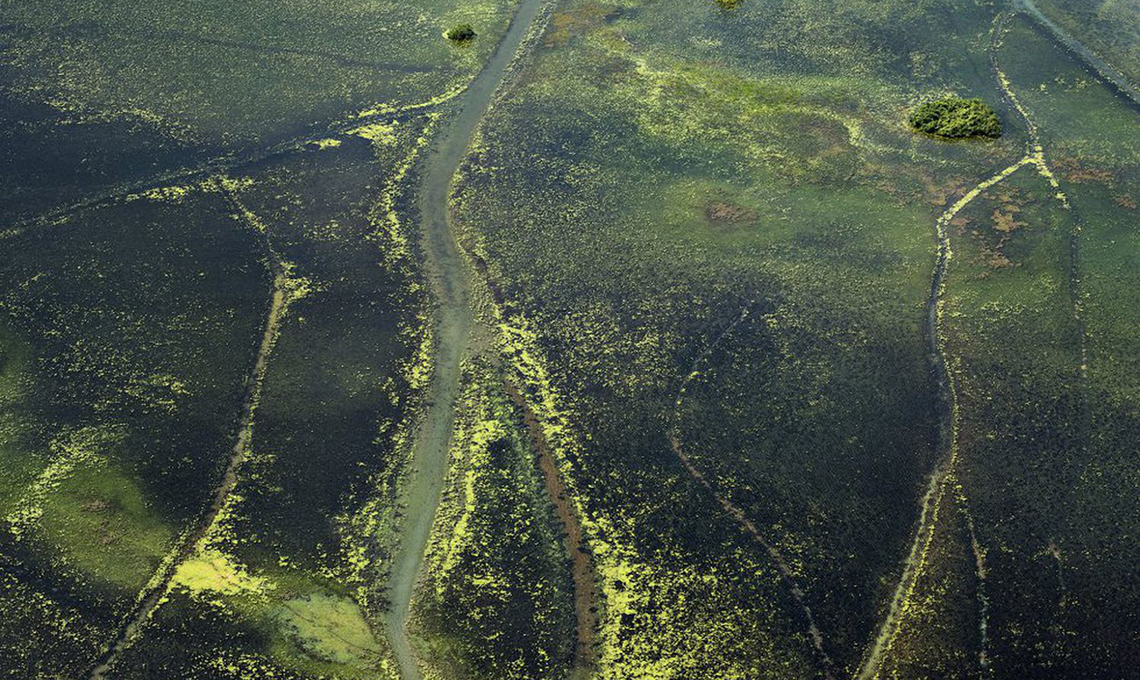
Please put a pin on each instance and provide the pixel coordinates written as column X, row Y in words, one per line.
column 997, row 260
column 1006, row 221
column 1010, row 201
column 939, row 194
column 723, row 213
column 1076, row 173
column 564, row 26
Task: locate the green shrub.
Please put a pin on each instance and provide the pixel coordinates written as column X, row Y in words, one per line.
column 956, row 118
column 460, row 33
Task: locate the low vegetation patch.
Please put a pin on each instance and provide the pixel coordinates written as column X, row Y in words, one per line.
column 955, row 118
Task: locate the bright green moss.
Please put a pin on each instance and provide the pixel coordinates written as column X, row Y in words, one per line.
column 212, row 570
column 331, row 628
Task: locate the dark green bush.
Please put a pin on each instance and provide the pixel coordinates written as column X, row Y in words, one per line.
column 956, row 118
column 460, row 33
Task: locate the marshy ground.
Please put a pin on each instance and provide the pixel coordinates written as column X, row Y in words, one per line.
column 624, row 340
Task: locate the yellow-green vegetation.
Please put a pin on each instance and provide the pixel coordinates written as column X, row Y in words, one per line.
column 73, row 450
column 291, row 573
column 101, row 524
column 939, row 633
column 495, row 600
column 212, row 571
column 14, row 366
column 1009, row 278
column 136, row 341
column 88, row 513
column 678, row 166
column 1059, row 282
column 332, row 629
column 96, row 98
column 1032, row 420
column 181, row 168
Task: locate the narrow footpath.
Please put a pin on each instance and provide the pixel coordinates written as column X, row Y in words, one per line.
column 738, row 515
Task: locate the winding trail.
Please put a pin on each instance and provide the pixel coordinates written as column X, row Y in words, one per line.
column 155, row 591
column 983, row 598
column 736, row 513
column 942, row 478
column 454, row 325
column 1037, row 158
column 948, row 431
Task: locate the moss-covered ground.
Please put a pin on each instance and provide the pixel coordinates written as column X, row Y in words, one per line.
column 94, row 96
column 712, row 237
column 755, row 382
column 214, row 333
column 289, row 579
column 495, row 600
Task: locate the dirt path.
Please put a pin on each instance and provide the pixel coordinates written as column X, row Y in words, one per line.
column 1037, row 158
column 983, row 599
column 152, row 596
column 737, row 514
column 937, row 486
column 454, row 325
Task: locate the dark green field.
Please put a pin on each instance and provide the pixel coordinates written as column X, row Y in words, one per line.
column 672, row 340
